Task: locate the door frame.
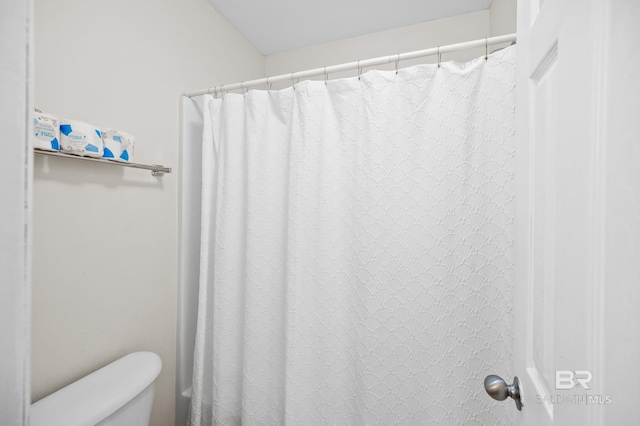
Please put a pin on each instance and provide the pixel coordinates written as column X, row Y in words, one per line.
column 16, row 41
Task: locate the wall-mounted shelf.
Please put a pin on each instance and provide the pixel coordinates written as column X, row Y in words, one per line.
column 156, row 170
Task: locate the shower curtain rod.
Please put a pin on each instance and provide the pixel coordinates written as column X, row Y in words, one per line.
column 359, row 65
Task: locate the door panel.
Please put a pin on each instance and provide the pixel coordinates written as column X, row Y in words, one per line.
column 555, row 137
column 543, row 90
column 538, row 87
column 568, row 329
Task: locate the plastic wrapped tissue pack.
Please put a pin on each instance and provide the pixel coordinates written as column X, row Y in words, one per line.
column 46, row 131
column 80, row 138
column 118, row 145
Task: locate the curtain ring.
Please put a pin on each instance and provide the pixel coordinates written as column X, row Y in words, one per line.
column 326, row 76
column 439, row 56
column 397, row 63
column 293, row 83
column 486, row 49
column 359, row 69
column 242, row 88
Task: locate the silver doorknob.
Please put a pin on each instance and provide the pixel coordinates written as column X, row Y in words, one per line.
column 499, row 390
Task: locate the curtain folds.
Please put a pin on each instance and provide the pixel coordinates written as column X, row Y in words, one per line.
column 357, row 250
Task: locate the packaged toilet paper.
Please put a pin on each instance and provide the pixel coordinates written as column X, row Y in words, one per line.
column 46, row 131
column 118, row 145
column 79, row 138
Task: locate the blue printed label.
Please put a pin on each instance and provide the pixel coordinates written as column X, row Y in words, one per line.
column 91, row 148
column 66, row 129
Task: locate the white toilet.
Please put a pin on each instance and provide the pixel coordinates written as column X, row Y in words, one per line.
column 119, row 394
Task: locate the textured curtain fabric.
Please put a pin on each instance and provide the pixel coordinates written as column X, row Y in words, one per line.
column 357, row 250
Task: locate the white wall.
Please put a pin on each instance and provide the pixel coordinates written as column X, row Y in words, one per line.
column 15, row 227
column 500, row 19
column 105, row 238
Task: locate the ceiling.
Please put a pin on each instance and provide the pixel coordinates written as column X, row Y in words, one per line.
column 275, row 26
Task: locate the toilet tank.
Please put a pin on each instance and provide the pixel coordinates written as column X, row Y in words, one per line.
column 119, row 394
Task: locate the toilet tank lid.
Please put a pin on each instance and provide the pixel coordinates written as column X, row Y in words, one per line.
column 99, row 394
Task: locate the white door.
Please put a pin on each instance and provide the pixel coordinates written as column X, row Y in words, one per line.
column 577, row 297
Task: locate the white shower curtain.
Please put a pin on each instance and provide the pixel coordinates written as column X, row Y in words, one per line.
column 357, row 250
